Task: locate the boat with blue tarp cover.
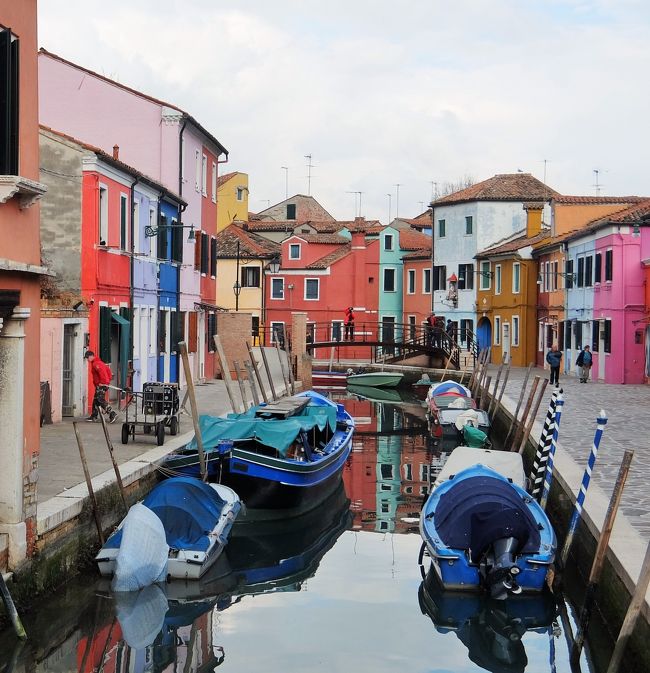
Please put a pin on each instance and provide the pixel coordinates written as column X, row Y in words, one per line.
column 482, row 529
column 282, row 456
column 196, row 518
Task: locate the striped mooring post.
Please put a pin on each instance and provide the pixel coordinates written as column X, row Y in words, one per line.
column 601, row 422
column 548, row 476
column 543, row 448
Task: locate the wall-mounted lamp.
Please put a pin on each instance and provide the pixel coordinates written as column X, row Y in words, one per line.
column 150, row 231
column 485, row 274
column 636, row 230
column 274, row 264
column 78, row 306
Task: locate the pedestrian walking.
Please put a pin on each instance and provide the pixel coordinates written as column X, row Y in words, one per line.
column 428, row 330
column 449, row 328
column 349, row 324
column 102, row 376
column 584, row 361
column 554, row 359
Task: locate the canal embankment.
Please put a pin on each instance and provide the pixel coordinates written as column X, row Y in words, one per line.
column 66, row 535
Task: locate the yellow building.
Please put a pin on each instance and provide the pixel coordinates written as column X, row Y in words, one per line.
column 242, row 257
column 232, row 199
column 507, row 292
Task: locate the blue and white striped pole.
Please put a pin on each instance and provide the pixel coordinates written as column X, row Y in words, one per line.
column 548, row 477
column 543, row 448
column 586, row 478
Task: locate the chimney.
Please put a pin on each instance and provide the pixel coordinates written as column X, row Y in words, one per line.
column 534, row 212
column 116, row 152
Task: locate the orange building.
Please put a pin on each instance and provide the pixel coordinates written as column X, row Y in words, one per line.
column 416, row 286
column 20, row 276
column 507, row 291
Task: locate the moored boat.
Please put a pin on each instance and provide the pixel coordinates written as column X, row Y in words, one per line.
column 327, row 379
column 195, row 519
column 482, row 530
column 448, row 387
column 376, row 379
column 282, row 458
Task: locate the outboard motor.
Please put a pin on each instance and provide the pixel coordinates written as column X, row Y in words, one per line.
column 500, row 572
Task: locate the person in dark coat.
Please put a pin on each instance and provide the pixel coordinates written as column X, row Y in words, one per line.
column 584, row 361
column 554, row 359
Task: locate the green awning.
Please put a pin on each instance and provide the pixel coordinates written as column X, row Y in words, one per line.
column 123, row 360
column 278, row 434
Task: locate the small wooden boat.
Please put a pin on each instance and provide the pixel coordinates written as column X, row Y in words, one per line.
column 448, row 388
column 324, row 379
column 196, row 519
column 456, row 404
column 482, row 530
column 376, row 379
column 281, row 458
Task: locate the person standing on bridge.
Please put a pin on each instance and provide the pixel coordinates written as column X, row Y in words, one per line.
column 349, row 324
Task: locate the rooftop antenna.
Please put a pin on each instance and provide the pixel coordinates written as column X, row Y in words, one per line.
column 309, row 167
column 398, row 185
column 390, row 199
column 434, row 190
column 355, row 201
column 597, row 184
column 545, row 189
column 286, row 181
column 421, row 206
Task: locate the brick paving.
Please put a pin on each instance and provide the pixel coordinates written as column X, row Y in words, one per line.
column 628, row 427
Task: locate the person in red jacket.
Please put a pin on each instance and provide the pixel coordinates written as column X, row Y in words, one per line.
column 349, row 323
column 102, row 376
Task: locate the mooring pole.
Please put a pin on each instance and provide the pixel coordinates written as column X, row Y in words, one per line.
column 496, row 387
column 532, row 417
column 225, row 373
column 89, row 483
column 258, row 376
column 182, row 347
column 601, row 422
column 599, row 557
column 543, row 448
column 268, row 373
column 524, row 416
column 638, row 599
column 240, row 380
column 484, row 393
column 548, row 476
column 251, row 382
column 116, row 469
column 521, row 397
column 503, row 387
column 11, row 608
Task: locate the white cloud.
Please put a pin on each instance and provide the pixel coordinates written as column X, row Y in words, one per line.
column 381, row 93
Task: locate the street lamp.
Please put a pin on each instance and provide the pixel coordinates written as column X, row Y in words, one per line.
column 150, row 231
column 274, row 264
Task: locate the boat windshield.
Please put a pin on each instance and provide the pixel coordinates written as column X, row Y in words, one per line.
column 452, row 402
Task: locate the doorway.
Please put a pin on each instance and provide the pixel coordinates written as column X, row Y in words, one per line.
column 68, row 370
column 601, row 350
column 505, row 342
column 484, row 334
column 388, row 334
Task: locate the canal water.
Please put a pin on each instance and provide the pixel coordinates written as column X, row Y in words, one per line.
column 339, row 589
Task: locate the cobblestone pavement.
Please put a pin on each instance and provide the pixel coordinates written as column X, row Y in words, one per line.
column 628, row 427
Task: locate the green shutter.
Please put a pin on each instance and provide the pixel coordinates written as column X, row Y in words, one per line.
column 105, row 333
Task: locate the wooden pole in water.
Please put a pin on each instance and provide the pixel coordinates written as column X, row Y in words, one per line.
column 484, row 393
column 287, row 389
column 521, row 397
column 251, row 381
column 292, row 381
column 332, row 359
column 257, row 373
column 91, row 492
column 240, row 381
column 11, row 608
column 444, row 374
column 225, row 373
column 496, row 386
column 268, row 373
column 473, row 382
column 118, row 476
column 638, row 599
column 533, row 416
column 599, row 557
column 182, row 347
column 472, row 376
column 503, row 387
column 524, row 415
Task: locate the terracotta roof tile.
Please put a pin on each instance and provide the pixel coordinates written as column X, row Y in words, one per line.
column 329, row 259
column 250, row 245
column 640, row 212
column 409, row 239
column 224, row 178
column 595, row 200
column 514, row 244
column 324, row 238
column 271, row 225
column 502, row 187
column 424, row 253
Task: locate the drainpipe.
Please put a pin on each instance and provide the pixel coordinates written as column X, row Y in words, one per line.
column 181, row 209
column 131, row 279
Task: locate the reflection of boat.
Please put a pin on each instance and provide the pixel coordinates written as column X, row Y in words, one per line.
column 281, row 555
column 491, row 630
column 283, row 456
column 482, row 529
column 196, row 519
column 376, row 394
column 376, row 379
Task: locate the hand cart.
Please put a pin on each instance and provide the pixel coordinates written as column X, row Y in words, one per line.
column 150, row 411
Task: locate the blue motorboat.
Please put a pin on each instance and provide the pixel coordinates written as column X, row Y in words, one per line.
column 281, row 457
column 482, row 530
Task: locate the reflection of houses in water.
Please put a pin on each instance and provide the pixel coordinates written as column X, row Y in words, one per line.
column 388, row 474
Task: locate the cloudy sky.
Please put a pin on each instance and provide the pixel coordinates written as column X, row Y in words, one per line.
column 380, row 92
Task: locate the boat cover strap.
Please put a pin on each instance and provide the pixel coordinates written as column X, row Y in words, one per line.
column 276, row 433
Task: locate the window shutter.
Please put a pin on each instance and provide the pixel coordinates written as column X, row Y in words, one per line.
column 105, row 333
column 197, row 252
column 193, row 329
column 213, row 257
